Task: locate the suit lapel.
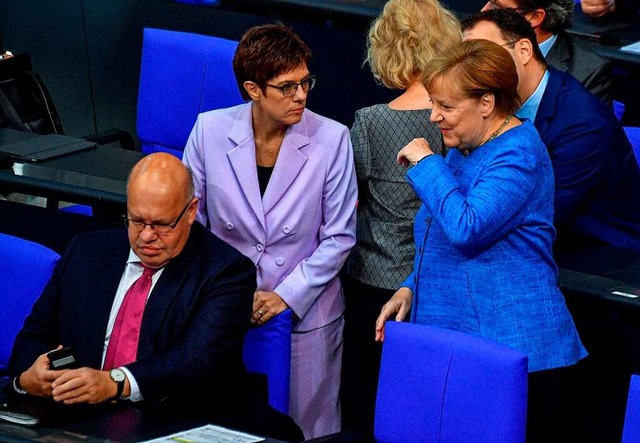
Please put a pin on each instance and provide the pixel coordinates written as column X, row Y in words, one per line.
column 546, row 110
column 290, row 162
column 97, row 318
column 243, row 162
column 161, row 299
column 558, row 56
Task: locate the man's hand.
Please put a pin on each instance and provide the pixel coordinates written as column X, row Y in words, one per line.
column 84, row 385
column 38, row 378
column 598, row 8
column 266, row 305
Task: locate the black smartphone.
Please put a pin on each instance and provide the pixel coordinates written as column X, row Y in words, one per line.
column 61, row 359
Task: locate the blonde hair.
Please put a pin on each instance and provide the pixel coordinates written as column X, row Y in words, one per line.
column 404, row 38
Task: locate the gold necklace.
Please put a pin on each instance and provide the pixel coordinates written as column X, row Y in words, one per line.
column 466, row 152
column 495, row 134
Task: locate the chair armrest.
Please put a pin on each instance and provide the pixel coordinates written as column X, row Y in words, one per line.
column 125, row 139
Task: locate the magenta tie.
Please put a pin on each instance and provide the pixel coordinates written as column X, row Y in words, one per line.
column 123, row 343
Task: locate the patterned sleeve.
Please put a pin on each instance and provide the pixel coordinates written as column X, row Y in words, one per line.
column 361, row 149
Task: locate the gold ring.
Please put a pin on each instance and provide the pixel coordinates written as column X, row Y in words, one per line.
column 261, row 312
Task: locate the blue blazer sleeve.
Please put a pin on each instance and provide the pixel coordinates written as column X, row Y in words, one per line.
column 492, row 207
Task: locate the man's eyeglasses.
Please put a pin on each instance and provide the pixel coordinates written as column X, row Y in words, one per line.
column 290, row 89
column 158, row 228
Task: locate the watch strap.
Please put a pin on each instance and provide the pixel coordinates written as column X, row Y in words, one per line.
column 119, row 387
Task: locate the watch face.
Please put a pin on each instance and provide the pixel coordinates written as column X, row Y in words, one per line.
column 117, row 375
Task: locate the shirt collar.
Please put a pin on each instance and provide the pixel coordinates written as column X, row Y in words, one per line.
column 546, row 45
column 529, row 108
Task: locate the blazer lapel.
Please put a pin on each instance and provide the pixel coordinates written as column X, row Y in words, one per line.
column 97, row 318
column 290, row 162
column 558, row 56
column 243, row 162
column 546, row 110
column 161, row 299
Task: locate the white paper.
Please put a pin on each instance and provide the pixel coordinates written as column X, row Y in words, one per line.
column 208, row 434
column 634, row 47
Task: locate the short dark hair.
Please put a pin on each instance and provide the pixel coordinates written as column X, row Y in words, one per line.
column 265, row 52
column 475, row 68
column 558, row 13
column 512, row 26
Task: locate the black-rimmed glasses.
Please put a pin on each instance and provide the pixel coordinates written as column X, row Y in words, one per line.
column 158, row 228
column 290, row 89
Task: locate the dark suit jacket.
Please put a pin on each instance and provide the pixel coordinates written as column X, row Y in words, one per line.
column 571, row 55
column 193, row 327
column 597, row 181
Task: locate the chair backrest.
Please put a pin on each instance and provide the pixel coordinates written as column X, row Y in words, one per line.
column 631, row 430
column 267, row 350
column 446, row 386
column 633, row 134
column 25, row 268
column 618, row 109
column 181, row 75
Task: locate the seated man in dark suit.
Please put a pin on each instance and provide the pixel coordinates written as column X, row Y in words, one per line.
column 156, row 313
column 597, row 181
column 549, row 19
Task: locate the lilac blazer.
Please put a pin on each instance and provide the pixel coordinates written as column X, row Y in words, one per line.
column 300, row 233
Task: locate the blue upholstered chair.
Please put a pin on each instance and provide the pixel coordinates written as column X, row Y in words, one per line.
column 633, row 134
column 181, row 75
column 25, row 268
column 618, row 109
column 631, row 430
column 267, row 350
column 438, row 385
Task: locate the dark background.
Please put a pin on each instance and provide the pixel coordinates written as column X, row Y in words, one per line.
column 88, row 51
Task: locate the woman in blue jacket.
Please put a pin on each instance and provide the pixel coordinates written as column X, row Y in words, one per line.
column 484, row 233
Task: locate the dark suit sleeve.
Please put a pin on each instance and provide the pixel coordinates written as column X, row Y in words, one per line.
column 600, row 82
column 582, row 151
column 39, row 333
column 203, row 354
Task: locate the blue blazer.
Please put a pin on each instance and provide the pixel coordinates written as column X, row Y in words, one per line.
column 193, row 326
column 483, row 237
column 597, row 181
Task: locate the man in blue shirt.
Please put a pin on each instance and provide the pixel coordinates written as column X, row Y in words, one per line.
column 549, row 20
column 597, row 180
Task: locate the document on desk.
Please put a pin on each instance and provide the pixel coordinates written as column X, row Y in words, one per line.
column 208, row 434
column 634, row 48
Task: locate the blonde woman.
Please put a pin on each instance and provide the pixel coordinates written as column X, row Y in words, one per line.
column 400, row 44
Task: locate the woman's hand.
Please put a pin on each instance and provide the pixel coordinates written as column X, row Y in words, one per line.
column 399, row 304
column 266, row 305
column 416, row 150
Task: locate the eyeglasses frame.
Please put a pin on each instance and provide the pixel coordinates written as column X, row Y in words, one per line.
column 311, row 81
column 154, row 226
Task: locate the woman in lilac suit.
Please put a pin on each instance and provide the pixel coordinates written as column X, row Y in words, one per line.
column 277, row 182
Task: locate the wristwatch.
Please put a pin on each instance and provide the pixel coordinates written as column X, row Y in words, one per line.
column 118, row 376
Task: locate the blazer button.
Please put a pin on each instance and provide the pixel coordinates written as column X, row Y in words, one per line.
column 286, row 229
column 259, row 247
column 279, row 261
column 229, row 226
